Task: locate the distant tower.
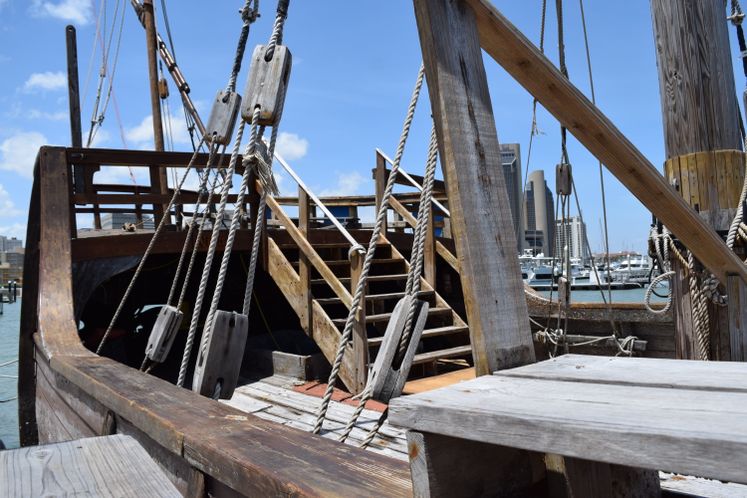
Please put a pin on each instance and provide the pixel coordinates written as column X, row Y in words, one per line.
column 539, row 218
column 573, row 234
column 511, row 159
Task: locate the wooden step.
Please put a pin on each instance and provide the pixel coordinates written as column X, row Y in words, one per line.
column 345, row 262
column 441, row 354
column 327, row 245
column 378, row 297
column 371, row 278
column 384, row 317
column 434, row 332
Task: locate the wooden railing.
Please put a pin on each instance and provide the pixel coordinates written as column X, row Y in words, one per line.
column 309, row 257
column 433, row 246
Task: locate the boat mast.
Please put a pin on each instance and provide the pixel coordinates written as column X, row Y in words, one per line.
column 158, row 178
column 703, row 141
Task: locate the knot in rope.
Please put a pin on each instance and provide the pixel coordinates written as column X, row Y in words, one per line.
column 357, row 248
column 262, row 168
column 710, row 287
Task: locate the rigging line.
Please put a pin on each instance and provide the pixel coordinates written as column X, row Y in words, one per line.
column 105, row 51
column 210, row 255
column 147, row 252
column 370, row 251
column 248, row 16
column 533, row 129
column 89, row 73
column 100, row 119
column 601, row 168
column 165, row 16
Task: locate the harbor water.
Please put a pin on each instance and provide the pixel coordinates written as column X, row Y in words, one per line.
column 10, row 323
column 9, row 327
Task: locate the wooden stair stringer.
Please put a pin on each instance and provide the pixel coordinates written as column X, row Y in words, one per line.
column 321, row 329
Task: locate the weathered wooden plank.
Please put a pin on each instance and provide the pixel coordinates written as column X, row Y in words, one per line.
column 442, row 466
column 646, row 372
column 469, row 151
column 512, row 50
column 241, row 451
column 685, row 431
column 111, row 466
column 737, row 293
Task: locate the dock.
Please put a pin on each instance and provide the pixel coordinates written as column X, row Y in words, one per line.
column 109, row 466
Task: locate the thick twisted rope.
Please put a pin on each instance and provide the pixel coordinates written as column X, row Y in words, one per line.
column 235, row 222
column 148, row 250
column 209, row 256
column 248, row 15
column 190, row 231
column 699, row 311
column 380, row 218
column 277, row 29
column 413, row 278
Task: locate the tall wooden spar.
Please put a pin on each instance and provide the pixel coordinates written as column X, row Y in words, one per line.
column 158, row 178
column 703, row 142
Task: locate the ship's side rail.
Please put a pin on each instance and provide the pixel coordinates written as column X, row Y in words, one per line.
column 222, row 446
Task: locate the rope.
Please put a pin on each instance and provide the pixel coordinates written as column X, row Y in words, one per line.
column 380, row 218
column 148, row 250
column 209, row 257
column 235, row 222
column 188, row 238
column 248, row 16
column 413, row 278
column 277, row 30
column 699, row 311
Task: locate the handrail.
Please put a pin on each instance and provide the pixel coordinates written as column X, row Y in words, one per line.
column 316, row 200
column 308, row 250
column 414, row 183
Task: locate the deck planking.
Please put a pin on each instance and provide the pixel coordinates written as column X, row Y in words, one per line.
column 274, row 399
column 110, row 466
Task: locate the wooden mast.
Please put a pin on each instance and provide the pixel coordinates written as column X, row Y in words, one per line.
column 158, row 179
column 702, row 137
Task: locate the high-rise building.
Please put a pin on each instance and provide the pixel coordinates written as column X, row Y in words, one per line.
column 115, row 221
column 10, row 244
column 571, row 234
column 511, row 159
column 538, row 217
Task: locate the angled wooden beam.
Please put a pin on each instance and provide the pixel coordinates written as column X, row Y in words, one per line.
column 471, row 160
column 537, row 74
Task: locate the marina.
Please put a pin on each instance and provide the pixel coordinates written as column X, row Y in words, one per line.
column 211, row 322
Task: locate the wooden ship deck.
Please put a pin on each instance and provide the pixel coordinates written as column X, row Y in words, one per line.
column 259, row 441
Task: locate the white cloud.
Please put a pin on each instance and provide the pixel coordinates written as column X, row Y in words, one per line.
column 291, row 146
column 45, row 81
column 347, row 184
column 141, row 136
column 7, row 207
column 19, row 152
column 76, row 11
column 17, row 230
column 47, row 116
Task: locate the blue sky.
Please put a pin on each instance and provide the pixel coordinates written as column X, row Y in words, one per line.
column 354, row 67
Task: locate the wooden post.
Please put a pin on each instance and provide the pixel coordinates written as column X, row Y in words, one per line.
column 76, row 137
column 468, row 146
column 429, row 251
column 380, row 180
column 737, row 317
column 304, row 268
column 158, row 178
column 700, row 114
column 360, row 337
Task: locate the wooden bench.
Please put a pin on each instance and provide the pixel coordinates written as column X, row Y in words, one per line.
column 678, row 416
column 110, row 466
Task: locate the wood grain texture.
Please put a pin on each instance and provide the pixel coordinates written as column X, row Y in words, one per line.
column 737, row 293
column 112, row 466
column 645, row 372
column 696, row 78
column 512, row 50
column 471, row 160
column 443, row 466
column 679, row 430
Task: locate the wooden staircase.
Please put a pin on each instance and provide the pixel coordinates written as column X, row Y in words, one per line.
column 445, row 337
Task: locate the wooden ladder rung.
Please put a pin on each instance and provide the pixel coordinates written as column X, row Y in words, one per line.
column 384, row 317
column 427, row 294
column 434, row 332
column 441, row 354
